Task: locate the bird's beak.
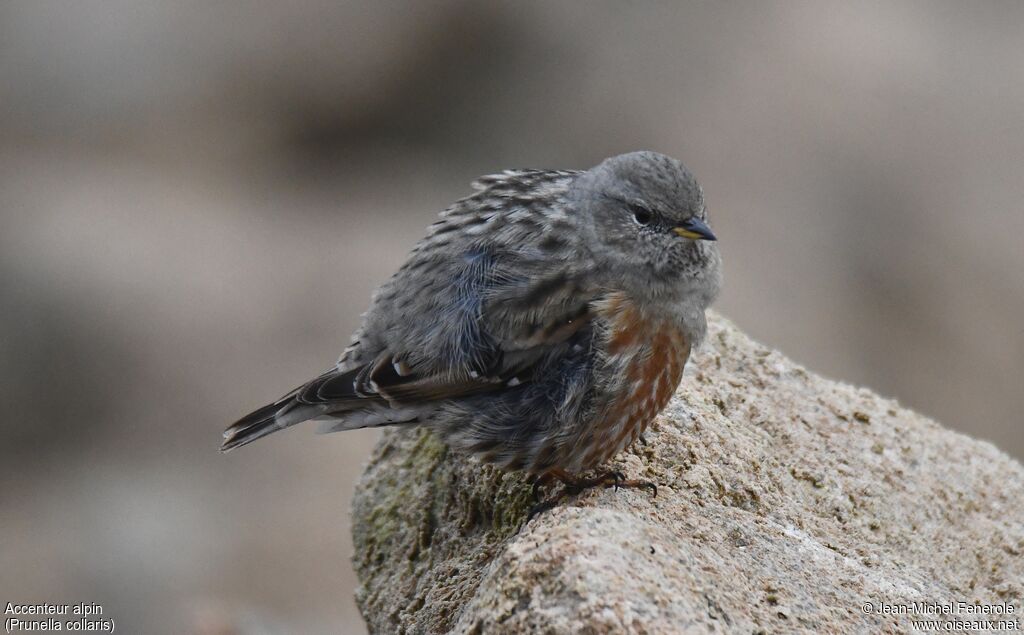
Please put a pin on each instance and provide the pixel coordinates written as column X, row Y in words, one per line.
column 696, row 229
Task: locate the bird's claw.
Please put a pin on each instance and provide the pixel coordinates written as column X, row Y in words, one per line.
column 618, row 478
column 572, row 486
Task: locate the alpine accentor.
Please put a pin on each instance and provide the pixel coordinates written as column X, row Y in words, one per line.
column 541, row 325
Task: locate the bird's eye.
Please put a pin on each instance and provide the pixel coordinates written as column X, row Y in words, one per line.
column 641, row 216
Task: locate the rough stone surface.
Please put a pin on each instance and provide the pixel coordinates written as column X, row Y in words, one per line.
column 786, row 502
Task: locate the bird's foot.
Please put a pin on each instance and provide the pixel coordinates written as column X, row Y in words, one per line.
column 611, row 478
column 573, row 485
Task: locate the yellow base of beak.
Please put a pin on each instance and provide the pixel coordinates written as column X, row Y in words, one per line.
column 686, row 233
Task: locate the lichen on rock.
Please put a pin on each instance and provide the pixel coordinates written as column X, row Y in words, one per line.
column 786, row 503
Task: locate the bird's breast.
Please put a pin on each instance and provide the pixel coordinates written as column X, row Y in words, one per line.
column 643, row 358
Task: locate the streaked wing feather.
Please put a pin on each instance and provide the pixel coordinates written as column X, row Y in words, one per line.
column 381, row 379
column 506, row 314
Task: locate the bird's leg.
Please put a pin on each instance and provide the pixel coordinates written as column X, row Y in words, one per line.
column 638, row 484
column 573, row 485
column 611, row 478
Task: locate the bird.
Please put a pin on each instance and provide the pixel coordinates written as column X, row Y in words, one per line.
column 540, row 326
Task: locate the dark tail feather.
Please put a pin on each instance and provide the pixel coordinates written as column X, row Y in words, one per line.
column 334, row 391
column 253, row 426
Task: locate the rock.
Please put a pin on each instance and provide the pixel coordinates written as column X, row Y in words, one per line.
column 786, row 502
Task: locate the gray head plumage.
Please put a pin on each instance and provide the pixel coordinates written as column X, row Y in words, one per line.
column 647, row 220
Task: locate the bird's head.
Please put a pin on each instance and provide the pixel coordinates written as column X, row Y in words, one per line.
column 646, row 224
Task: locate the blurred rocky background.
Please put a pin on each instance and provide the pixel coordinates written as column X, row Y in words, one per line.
column 196, row 200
